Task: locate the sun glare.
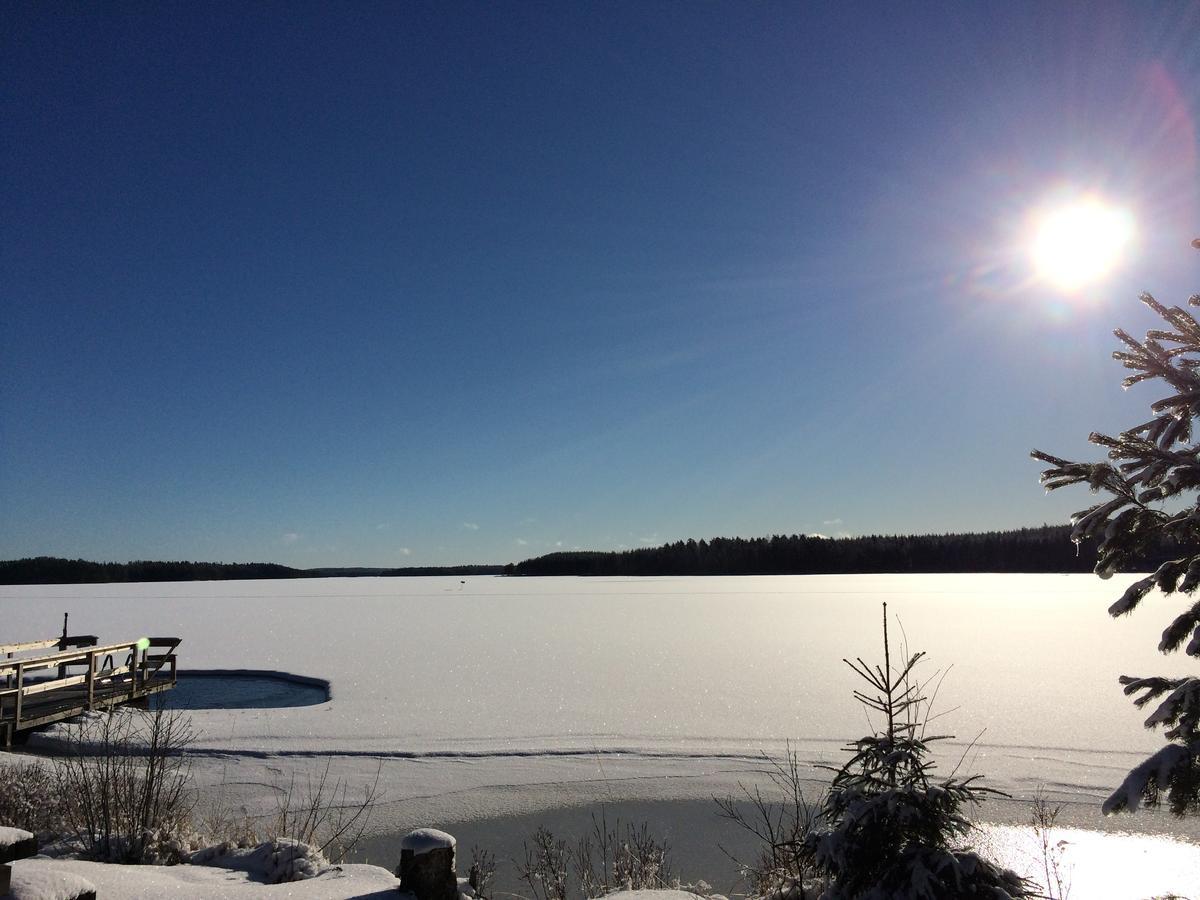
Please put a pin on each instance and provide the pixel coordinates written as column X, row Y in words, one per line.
column 1080, row 243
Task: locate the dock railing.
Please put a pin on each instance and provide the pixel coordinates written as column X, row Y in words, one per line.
column 148, row 666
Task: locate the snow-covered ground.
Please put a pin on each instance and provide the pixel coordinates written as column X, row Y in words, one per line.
column 48, row 879
column 486, row 697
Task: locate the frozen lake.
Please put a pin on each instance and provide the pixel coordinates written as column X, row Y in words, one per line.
column 492, row 696
column 678, row 665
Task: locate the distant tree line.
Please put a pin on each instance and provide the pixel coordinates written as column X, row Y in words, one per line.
column 1044, row 549
column 54, row 570
column 326, row 572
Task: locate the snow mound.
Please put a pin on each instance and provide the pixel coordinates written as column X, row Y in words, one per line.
column 422, row 840
column 272, row 862
column 44, row 883
column 10, row 836
column 116, row 882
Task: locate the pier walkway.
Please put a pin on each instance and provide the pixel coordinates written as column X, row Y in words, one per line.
column 40, row 688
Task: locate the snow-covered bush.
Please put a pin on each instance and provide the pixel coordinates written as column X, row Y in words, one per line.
column 616, row 859
column 607, row 859
column 1152, row 479
column 889, row 829
column 29, row 799
column 546, row 865
column 273, row 862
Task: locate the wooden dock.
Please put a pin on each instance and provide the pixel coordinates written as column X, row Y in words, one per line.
column 37, row 688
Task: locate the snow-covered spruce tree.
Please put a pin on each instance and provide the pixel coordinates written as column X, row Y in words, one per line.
column 889, row 829
column 1153, row 477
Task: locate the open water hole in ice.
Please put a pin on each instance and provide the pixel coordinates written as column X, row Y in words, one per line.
column 239, row 690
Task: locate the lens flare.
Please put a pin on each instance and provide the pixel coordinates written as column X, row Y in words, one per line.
column 1078, row 244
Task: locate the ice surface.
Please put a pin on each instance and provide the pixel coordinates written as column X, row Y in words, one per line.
column 669, row 665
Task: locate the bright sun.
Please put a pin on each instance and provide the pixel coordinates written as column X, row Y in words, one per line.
column 1079, row 243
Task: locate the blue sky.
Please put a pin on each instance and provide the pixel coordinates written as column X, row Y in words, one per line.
column 407, row 283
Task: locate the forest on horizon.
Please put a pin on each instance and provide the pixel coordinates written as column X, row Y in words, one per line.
column 1047, row 548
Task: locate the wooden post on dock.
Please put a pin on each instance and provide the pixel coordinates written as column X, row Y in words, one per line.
column 20, row 690
column 133, row 659
column 91, row 679
column 62, row 645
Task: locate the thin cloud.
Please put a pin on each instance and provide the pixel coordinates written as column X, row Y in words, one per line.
column 406, row 551
column 471, row 526
column 290, row 537
column 521, row 542
column 832, row 522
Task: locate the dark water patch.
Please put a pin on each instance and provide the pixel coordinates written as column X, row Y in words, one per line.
column 242, row 689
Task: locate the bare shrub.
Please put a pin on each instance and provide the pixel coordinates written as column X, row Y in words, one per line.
column 604, row 860
column 610, row 859
column 29, row 799
column 545, row 866
column 784, row 862
column 323, row 813
column 1057, row 878
column 483, row 871
column 219, row 822
column 127, row 779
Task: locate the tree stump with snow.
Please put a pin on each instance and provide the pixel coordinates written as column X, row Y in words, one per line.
column 427, row 865
column 16, row 843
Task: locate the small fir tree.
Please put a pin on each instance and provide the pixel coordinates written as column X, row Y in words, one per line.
column 1152, row 477
column 889, row 829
